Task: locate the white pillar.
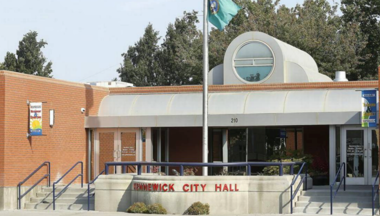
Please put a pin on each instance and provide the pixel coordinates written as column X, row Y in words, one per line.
column 149, row 145
column 332, row 151
column 225, row 147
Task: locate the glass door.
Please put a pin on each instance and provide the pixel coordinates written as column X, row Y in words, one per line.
column 359, row 151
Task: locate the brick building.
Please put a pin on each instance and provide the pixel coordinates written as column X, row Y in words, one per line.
column 266, row 96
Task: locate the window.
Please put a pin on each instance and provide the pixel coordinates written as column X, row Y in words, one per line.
column 254, row 61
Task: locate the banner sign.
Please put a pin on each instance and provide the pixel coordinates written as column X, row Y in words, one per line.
column 35, row 119
column 369, row 108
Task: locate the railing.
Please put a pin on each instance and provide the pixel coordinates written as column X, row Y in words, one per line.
column 373, row 193
column 299, row 185
column 88, row 189
column 20, row 196
column 64, row 189
column 340, row 183
column 181, row 165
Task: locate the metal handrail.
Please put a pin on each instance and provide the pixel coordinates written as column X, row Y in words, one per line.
column 373, row 193
column 183, row 164
column 340, row 183
column 88, row 189
column 299, row 185
column 64, row 189
column 20, row 196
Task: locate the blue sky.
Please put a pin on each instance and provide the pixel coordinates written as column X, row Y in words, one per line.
column 87, row 37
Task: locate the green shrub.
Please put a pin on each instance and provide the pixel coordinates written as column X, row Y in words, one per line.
column 275, row 170
column 138, row 207
column 198, row 208
column 156, row 209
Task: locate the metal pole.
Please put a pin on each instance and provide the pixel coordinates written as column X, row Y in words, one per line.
column 291, row 199
column 19, row 196
column 331, row 199
column 205, row 87
column 88, row 197
column 81, row 170
column 54, row 196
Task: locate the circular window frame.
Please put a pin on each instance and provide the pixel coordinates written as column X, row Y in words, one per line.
column 234, row 57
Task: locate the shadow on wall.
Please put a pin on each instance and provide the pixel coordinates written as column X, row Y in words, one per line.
column 125, row 200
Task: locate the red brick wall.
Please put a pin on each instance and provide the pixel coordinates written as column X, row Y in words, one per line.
column 2, row 105
column 64, row 144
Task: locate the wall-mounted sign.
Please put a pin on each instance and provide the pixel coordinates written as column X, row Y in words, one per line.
column 35, row 119
column 369, row 108
column 163, row 187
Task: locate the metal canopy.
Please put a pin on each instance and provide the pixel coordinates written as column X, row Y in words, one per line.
column 256, row 108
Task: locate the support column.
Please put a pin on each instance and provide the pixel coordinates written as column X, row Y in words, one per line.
column 167, row 150
column 149, row 145
column 159, row 148
column 332, row 151
column 89, row 155
column 225, row 147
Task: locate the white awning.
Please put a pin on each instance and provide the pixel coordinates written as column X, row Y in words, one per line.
column 256, row 108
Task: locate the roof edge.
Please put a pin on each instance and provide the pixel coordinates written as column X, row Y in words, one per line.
column 50, row 80
column 244, row 87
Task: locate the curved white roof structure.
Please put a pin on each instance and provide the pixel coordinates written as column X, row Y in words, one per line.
column 255, row 108
column 254, row 53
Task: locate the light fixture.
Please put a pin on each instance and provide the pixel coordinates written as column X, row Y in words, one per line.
column 51, row 120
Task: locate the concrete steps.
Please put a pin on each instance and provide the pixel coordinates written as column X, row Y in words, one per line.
column 356, row 200
column 73, row 198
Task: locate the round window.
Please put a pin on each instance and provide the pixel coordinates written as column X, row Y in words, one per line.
column 254, row 61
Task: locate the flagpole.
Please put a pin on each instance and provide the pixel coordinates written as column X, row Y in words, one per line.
column 205, row 87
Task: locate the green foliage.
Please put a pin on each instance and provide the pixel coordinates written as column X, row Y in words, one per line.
column 178, row 61
column 365, row 14
column 140, row 65
column 349, row 42
column 198, row 208
column 156, row 209
column 138, row 207
column 28, row 59
column 292, row 156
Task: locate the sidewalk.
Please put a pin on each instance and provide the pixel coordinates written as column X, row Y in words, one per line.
column 86, row 213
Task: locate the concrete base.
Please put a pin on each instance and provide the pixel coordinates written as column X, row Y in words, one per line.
column 8, row 196
column 224, row 194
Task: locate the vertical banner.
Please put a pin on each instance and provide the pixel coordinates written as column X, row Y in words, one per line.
column 35, row 119
column 369, row 108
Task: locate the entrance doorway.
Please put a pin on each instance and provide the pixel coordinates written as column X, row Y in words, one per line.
column 116, row 145
column 360, row 153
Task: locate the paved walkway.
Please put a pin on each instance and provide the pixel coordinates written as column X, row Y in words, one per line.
column 95, row 213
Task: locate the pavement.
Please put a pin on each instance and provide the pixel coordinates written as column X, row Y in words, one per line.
column 96, row 213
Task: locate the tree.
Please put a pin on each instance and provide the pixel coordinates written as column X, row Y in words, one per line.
column 29, row 58
column 181, row 56
column 366, row 14
column 140, row 65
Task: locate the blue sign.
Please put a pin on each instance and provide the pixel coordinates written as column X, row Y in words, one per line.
column 369, row 108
